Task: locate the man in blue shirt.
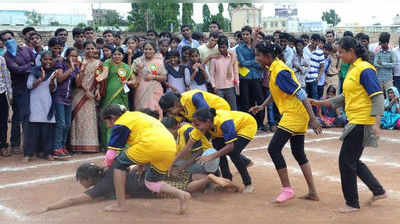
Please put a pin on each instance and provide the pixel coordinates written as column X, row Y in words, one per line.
column 187, row 39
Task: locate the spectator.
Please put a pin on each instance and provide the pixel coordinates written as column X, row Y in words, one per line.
column 198, row 74
column 99, row 47
column 306, row 39
column 208, row 50
column 2, row 48
column 178, row 76
column 90, row 33
column 238, row 39
column 288, row 53
column 20, row 61
column 251, row 74
column 328, row 49
column 187, row 39
column 107, row 52
column 300, row 64
column 332, row 75
column 55, row 45
column 5, row 101
column 344, row 67
column 152, row 35
column 165, row 34
column 199, row 37
column 132, row 51
column 364, row 39
column 108, row 37
column 277, row 36
column 331, row 117
column 185, row 56
column 36, row 43
column 174, row 43
column 39, row 134
column 391, row 117
column 396, row 74
column 316, row 60
column 26, row 32
column 62, row 34
column 118, row 41
column 385, row 61
column 330, row 37
column 164, row 46
column 79, row 39
column 214, row 27
column 224, row 73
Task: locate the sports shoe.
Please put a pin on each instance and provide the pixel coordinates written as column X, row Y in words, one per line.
column 248, row 189
column 67, row 154
column 59, row 154
column 287, row 194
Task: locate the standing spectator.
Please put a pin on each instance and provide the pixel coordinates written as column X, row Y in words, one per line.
column 107, row 52
column 39, row 133
column 328, row 49
column 62, row 34
column 316, row 67
column 276, row 36
column 26, row 32
column 300, row 64
column 198, row 74
column 214, row 27
column 165, row 34
column 79, row 39
column 2, row 48
column 385, row 61
column 251, row 75
column 164, row 46
column 152, row 35
column 19, row 60
column 288, row 53
column 90, row 33
column 330, row 37
column 207, row 50
column 5, row 100
column 132, row 51
column 67, row 72
column 108, row 37
column 396, row 74
column 224, row 73
column 118, row 41
column 174, row 43
column 364, row 39
column 332, row 74
column 178, row 76
column 236, row 42
column 36, row 42
column 185, row 55
column 187, row 39
column 306, row 39
column 55, row 45
column 344, row 67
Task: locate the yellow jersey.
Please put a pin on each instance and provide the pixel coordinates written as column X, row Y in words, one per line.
column 361, row 83
column 148, row 139
column 184, row 135
column 229, row 125
column 283, row 86
column 196, row 99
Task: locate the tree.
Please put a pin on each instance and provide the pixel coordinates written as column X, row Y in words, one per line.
column 206, row 18
column 81, row 25
column 331, row 17
column 113, row 18
column 223, row 22
column 187, row 13
column 55, row 23
column 33, row 18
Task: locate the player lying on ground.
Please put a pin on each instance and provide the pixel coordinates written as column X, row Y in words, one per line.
column 99, row 183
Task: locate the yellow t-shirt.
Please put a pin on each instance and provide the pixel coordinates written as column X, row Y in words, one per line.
column 196, row 99
column 283, row 85
column 184, row 135
column 359, row 86
column 148, row 139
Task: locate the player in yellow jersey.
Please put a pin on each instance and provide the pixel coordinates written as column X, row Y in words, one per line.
column 296, row 112
column 231, row 132
column 149, row 143
column 363, row 101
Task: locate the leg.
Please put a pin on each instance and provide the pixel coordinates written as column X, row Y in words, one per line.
column 373, row 184
column 47, row 139
column 396, row 82
column 218, row 144
column 230, row 96
column 297, row 146
column 244, row 95
column 198, row 184
column 60, row 126
column 16, row 123
column 257, row 96
column 239, row 163
column 68, row 122
column 3, row 121
column 31, row 140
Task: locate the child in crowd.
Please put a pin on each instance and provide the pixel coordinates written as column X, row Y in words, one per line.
column 300, row 64
column 39, row 134
column 67, row 72
column 132, row 51
column 330, row 117
column 178, row 77
column 107, row 52
column 163, row 45
column 391, row 117
column 185, row 57
column 173, row 45
column 199, row 76
column 56, row 46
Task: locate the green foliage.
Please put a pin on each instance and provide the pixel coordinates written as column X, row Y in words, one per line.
column 112, row 18
column 81, row 25
column 206, row 18
column 331, row 17
column 187, row 13
column 55, row 23
column 33, row 18
column 223, row 22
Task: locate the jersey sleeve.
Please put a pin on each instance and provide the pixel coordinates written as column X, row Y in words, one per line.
column 195, row 135
column 199, row 101
column 197, row 144
column 229, row 131
column 118, row 138
column 369, row 81
column 286, row 83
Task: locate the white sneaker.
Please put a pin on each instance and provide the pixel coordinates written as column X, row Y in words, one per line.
column 248, row 189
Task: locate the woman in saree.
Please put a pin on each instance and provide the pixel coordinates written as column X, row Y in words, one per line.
column 84, row 131
column 118, row 76
column 151, row 73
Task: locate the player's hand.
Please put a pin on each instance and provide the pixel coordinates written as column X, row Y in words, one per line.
column 376, row 131
column 254, row 110
column 316, row 126
column 314, row 102
column 37, row 212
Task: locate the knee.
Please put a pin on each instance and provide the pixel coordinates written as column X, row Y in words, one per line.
column 274, row 153
column 300, row 157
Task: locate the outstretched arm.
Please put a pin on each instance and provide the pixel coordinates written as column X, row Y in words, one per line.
column 65, row 203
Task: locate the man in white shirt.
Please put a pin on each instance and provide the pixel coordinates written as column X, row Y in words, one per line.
column 396, row 73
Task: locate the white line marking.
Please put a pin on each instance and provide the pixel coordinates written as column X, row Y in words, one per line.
column 264, row 136
column 56, row 163
column 12, row 213
column 36, row 181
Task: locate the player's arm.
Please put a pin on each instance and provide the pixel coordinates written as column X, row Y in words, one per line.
column 65, row 203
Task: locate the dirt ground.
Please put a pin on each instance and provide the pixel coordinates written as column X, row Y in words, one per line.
column 26, row 187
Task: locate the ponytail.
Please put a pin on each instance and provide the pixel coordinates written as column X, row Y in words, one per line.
column 268, row 48
column 347, row 43
column 205, row 114
column 90, row 171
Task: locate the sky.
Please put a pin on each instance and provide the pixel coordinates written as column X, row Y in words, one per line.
column 359, row 12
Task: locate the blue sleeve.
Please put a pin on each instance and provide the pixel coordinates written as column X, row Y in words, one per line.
column 286, row 83
column 119, row 136
column 369, row 81
column 199, row 101
column 229, row 131
column 197, row 144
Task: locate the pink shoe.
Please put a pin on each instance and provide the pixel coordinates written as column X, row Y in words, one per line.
column 287, row 194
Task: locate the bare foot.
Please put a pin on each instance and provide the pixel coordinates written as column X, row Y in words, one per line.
column 116, row 208
column 222, row 182
column 376, row 198
column 310, row 197
column 183, row 202
column 347, row 209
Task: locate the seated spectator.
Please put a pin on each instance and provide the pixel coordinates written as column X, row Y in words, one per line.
column 330, row 117
column 391, row 117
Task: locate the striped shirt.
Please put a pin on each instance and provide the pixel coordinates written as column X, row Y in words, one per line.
column 317, row 58
column 5, row 81
column 385, row 62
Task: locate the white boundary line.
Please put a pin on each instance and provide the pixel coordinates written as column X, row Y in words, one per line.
column 12, row 213
column 36, row 181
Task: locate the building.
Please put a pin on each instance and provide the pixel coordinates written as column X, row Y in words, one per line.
column 282, row 10
column 17, row 17
column 12, row 17
column 396, row 20
column 245, row 15
column 313, row 27
column 286, row 24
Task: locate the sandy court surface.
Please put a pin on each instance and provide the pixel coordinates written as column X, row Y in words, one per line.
column 26, row 187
